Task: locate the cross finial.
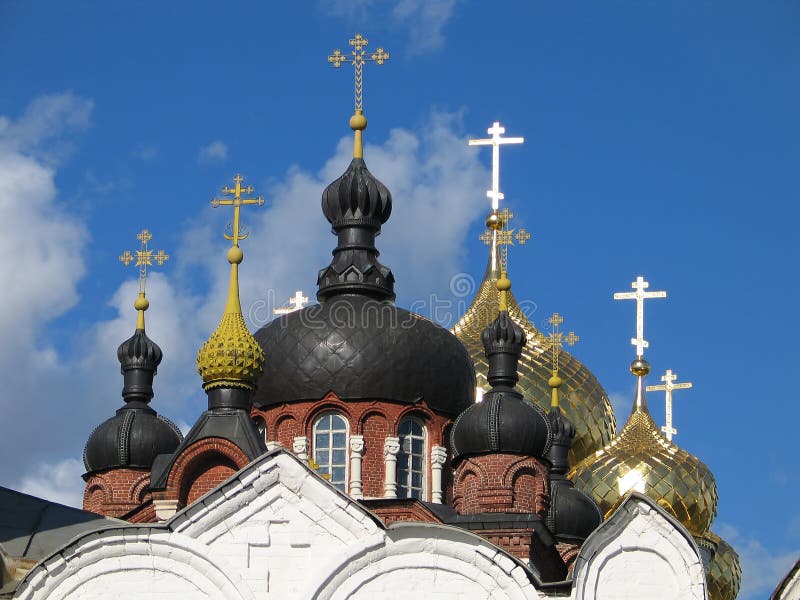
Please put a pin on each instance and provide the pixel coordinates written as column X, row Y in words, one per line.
column 496, row 131
column 555, row 341
column 358, row 57
column 296, row 302
column 640, row 295
column 237, row 202
column 668, row 387
column 143, row 258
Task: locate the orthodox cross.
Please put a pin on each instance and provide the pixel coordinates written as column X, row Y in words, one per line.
column 297, row 302
column 640, row 295
column 667, row 387
column 505, row 236
column 556, row 339
column 237, row 202
column 496, row 131
column 358, row 58
column 144, row 257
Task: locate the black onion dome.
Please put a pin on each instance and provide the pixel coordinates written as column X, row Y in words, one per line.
column 131, row 438
column 136, row 434
column 139, row 352
column 360, row 348
column 503, row 422
column 357, row 198
column 572, row 514
column 356, row 205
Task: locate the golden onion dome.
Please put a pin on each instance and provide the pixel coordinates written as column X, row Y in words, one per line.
column 583, row 399
column 723, row 571
column 231, row 357
column 640, row 458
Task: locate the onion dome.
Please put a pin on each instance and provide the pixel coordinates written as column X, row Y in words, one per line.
column 723, row 571
column 231, row 357
column 136, row 434
column 640, row 458
column 356, row 343
column 503, row 422
column 572, row 514
column 584, row 401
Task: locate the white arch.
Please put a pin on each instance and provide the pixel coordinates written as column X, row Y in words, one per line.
column 412, row 557
column 92, row 567
column 639, row 552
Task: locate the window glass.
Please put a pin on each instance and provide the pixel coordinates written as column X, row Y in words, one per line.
column 330, row 448
column 411, row 459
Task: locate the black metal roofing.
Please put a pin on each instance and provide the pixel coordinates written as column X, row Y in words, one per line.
column 34, row 528
column 360, row 348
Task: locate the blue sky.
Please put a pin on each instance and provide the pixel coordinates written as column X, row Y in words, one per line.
column 661, row 139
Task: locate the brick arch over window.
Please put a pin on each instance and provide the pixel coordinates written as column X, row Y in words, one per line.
column 202, row 466
column 330, row 403
column 98, row 494
column 530, row 485
column 139, row 492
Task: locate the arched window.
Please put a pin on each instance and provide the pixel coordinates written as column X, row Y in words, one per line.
column 330, row 448
column 411, row 460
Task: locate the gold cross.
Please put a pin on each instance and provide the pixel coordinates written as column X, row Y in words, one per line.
column 358, row 58
column 556, row 339
column 237, row 202
column 144, row 257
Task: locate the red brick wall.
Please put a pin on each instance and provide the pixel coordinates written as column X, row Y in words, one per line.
column 210, row 476
column 374, row 419
column 116, row 492
column 501, row 483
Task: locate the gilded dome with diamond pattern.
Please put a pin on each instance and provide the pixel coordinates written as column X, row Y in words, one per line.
column 723, row 571
column 640, row 458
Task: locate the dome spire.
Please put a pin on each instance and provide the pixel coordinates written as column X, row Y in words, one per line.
column 231, row 357
column 144, row 258
column 358, row 57
column 356, row 205
column 139, row 356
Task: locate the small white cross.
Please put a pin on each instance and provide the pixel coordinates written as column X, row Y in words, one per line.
column 669, row 385
column 640, row 285
column 496, row 130
column 297, row 302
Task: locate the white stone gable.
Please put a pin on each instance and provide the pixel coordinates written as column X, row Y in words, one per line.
column 277, row 530
column 639, row 552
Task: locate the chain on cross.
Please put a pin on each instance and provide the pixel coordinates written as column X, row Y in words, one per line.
column 358, row 57
column 143, row 257
column 236, row 233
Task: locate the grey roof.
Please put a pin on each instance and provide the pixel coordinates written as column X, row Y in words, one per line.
column 34, row 528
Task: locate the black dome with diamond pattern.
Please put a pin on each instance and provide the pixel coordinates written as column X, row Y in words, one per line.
column 361, row 348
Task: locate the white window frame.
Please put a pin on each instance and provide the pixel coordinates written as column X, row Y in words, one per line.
column 326, row 467
column 404, row 486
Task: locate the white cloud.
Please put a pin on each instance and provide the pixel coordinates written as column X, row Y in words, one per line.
column 216, row 151
column 762, row 568
column 40, row 274
column 621, row 403
column 58, row 482
column 425, row 20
